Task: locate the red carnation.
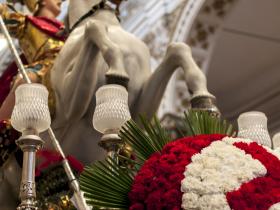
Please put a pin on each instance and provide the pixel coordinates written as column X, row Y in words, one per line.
column 157, row 184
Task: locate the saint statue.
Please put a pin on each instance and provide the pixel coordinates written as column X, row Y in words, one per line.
column 40, row 39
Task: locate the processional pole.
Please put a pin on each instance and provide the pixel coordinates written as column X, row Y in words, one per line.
column 28, row 192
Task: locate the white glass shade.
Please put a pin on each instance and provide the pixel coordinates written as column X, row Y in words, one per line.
column 276, row 140
column 31, row 111
column 111, row 110
column 253, row 125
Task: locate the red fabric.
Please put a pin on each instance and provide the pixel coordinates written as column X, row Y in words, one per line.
column 48, row 26
column 7, row 78
column 260, row 193
column 157, row 185
column 51, row 157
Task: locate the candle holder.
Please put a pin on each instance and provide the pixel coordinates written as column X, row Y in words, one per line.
column 110, row 114
column 30, row 117
column 253, row 125
column 276, row 140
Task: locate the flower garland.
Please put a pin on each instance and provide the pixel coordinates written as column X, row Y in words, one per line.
column 157, row 184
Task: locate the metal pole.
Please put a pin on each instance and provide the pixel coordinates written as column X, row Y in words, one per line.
column 72, row 179
column 29, row 144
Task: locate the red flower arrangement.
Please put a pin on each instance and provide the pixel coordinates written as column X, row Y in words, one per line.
column 262, row 192
column 157, row 185
column 200, row 172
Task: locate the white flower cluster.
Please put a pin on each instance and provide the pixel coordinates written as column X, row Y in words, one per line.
column 275, row 207
column 218, row 169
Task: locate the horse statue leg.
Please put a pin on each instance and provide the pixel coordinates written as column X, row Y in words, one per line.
column 78, row 84
column 111, row 52
column 177, row 55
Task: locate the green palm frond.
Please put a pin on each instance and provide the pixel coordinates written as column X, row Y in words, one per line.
column 201, row 122
column 152, row 138
column 106, row 185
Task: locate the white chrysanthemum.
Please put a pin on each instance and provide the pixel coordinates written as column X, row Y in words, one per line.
column 231, row 140
column 275, row 207
column 218, row 169
column 216, row 201
column 190, row 201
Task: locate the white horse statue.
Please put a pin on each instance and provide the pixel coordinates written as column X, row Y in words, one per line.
column 99, row 46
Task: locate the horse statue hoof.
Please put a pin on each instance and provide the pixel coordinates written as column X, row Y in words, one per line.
column 205, row 103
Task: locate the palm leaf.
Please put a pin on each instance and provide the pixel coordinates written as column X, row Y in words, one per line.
column 201, row 122
column 106, row 185
column 145, row 140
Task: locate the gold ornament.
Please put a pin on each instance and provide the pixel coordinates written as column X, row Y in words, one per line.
column 32, row 5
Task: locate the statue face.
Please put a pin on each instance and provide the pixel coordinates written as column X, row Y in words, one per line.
column 53, row 6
